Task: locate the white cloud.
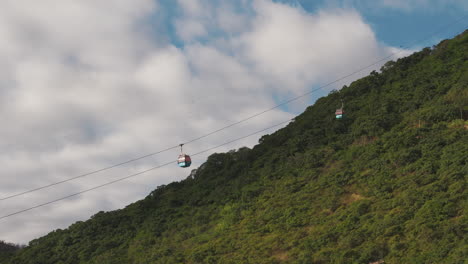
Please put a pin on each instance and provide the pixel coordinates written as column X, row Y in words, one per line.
column 205, row 18
column 197, row 15
column 190, row 29
column 83, row 86
column 197, row 8
column 295, row 48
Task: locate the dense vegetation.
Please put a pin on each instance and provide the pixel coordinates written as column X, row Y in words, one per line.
column 7, row 250
column 388, row 182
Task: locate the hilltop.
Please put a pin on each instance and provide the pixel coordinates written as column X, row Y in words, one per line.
column 388, row 182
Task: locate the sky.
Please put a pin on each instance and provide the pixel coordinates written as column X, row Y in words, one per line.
column 87, row 84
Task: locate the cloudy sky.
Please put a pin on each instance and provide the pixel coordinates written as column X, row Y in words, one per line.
column 87, row 84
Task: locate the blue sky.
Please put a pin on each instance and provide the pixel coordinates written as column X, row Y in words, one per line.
column 396, row 24
column 88, row 84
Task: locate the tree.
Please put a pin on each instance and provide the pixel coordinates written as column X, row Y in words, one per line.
column 458, row 95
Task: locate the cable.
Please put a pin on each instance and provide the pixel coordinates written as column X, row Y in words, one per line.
column 135, row 174
column 86, row 174
column 240, row 121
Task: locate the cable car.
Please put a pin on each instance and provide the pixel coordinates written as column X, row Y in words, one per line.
column 184, row 160
column 339, row 113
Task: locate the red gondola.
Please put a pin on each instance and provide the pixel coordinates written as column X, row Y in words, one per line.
column 184, row 160
column 339, row 113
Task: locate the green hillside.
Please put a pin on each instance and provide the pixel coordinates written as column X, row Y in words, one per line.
column 387, row 182
column 7, row 249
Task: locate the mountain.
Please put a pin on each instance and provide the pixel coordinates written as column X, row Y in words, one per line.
column 388, row 182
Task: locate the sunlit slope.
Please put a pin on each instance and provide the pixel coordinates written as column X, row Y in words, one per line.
column 387, row 182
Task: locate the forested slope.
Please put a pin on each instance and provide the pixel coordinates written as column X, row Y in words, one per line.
column 388, row 182
column 7, row 250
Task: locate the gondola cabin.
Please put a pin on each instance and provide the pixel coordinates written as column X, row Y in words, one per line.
column 184, row 161
column 339, row 113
